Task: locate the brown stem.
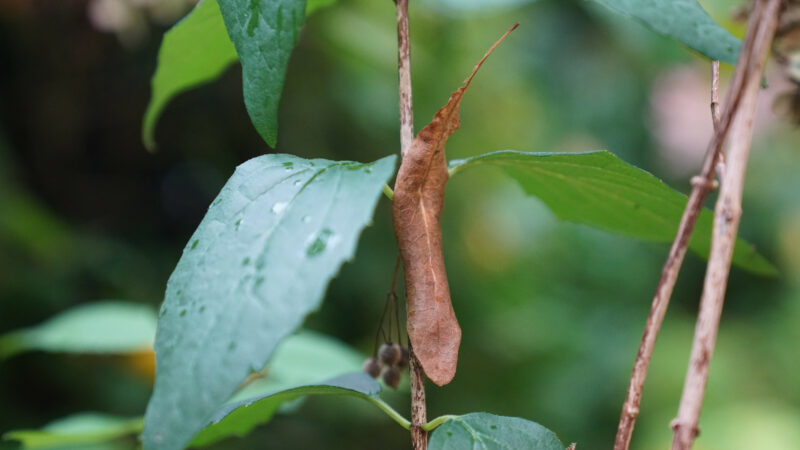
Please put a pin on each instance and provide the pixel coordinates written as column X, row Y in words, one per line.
column 419, row 416
column 715, row 94
column 727, row 214
column 701, row 186
column 404, row 77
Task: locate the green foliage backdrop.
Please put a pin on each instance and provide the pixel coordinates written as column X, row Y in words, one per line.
column 552, row 311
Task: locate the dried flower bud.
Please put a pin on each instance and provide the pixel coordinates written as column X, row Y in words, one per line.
column 391, row 376
column 372, row 367
column 390, row 353
column 403, row 363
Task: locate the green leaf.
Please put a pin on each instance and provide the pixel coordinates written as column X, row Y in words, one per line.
column 685, row 21
column 313, row 5
column 600, row 190
column 264, row 33
column 100, row 327
column 195, row 51
column 487, row 431
column 258, row 263
column 295, row 370
column 78, row 431
column 302, row 359
column 237, row 419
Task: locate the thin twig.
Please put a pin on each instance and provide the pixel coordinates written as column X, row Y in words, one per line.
column 715, row 94
column 701, row 186
column 727, row 214
column 419, row 416
column 404, row 77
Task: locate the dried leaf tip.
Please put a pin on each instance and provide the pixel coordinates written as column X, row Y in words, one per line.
column 489, row 52
column 418, row 202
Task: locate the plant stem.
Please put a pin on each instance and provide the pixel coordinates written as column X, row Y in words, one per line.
column 404, row 77
column 396, row 416
column 715, row 94
column 430, row 426
column 701, row 186
column 388, row 192
column 419, row 437
column 419, row 415
column 727, row 214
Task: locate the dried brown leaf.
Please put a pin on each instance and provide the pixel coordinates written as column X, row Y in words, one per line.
column 418, row 201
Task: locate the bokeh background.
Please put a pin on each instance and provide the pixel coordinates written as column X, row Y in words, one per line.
column 552, row 313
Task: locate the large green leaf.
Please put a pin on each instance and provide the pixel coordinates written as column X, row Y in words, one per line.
column 194, row 51
column 100, row 327
column 264, row 33
column 238, row 418
column 257, row 264
column 685, row 21
column 79, row 431
column 600, row 190
column 487, row 431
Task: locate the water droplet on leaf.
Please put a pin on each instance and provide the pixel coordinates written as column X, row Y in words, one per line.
column 278, row 207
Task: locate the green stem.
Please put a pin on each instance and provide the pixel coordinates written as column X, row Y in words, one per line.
column 430, row 426
column 388, row 192
column 390, row 412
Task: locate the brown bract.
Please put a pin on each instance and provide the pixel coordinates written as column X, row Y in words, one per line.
column 418, row 201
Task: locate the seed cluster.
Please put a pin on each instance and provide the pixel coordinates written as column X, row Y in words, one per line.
column 389, row 364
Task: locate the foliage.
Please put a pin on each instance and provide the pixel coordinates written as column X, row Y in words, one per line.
column 488, row 431
column 600, row 190
column 557, row 300
column 195, row 51
column 685, row 21
column 257, row 264
column 100, row 327
column 77, row 430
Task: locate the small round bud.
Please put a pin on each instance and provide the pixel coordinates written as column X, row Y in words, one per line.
column 391, row 376
column 390, row 353
column 372, row 367
column 403, row 363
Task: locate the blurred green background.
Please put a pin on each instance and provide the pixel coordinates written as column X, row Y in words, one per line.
column 552, row 313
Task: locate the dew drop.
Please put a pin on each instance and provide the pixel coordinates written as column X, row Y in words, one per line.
column 297, row 182
column 246, row 261
column 183, row 312
column 202, row 308
column 278, row 207
column 194, row 244
column 232, row 346
column 325, row 239
column 306, row 219
column 238, row 222
column 163, row 312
